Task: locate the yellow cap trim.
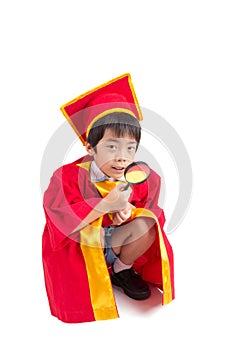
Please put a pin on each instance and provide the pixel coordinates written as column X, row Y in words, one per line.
column 95, row 89
column 135, row 99
column 103, row 114
column 62, row 108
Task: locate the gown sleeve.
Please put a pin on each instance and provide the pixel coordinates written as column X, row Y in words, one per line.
column 67, row 201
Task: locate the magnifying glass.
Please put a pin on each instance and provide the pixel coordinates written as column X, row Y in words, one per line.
column 136, row 173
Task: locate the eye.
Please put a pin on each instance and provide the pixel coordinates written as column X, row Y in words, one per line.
column 131, row 148
column 112, row 147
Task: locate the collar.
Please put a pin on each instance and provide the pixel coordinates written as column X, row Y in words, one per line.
column 97, row 175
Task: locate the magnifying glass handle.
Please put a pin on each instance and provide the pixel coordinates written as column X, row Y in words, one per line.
column 125, row 188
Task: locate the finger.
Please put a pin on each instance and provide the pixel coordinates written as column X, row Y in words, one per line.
column 123, row 187
column 117, row 221
column 126, row 212
column 119, row 216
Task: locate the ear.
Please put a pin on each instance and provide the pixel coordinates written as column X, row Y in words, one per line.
column 89, row 149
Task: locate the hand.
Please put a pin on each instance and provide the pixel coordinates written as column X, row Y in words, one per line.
column 122, row 215
column 117, row 200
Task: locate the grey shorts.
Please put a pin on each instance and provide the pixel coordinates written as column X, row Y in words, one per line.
column 110, row 256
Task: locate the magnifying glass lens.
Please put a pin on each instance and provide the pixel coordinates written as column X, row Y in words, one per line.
column 137, row 173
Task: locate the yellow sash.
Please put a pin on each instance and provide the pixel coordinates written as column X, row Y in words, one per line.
column 101, row 293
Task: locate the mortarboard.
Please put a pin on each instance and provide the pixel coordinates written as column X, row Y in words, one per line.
column 116, row 95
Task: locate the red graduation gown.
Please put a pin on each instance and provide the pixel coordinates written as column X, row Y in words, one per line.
column 76, row 276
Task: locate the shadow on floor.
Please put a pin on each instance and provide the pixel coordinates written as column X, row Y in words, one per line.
column 140, row 307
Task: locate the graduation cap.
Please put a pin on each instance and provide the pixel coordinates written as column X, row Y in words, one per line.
column 116, row 95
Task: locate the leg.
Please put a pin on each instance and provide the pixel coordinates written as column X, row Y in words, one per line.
column 132, row 239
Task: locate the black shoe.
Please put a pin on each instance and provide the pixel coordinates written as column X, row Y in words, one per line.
column 131, row 283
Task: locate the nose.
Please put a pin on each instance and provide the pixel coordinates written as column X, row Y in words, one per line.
column 121, row 156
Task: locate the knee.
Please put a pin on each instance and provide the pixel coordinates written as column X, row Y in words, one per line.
column 148, row 237
column 146, row 229
column 146, row 225
column 151, row 233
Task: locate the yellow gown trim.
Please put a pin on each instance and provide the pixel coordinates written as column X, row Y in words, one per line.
column 166, row 275
column 101, row 293
column 102, row 297
column 85, row 165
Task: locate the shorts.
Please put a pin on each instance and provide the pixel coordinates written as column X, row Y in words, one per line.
column 110, row 256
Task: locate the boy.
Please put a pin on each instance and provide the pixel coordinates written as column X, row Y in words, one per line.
column 92, row 223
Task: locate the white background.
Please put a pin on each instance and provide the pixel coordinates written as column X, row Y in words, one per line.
column 180, row 56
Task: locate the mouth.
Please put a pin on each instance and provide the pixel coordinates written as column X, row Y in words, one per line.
column 118, row 169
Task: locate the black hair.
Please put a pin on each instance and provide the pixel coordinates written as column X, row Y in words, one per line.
column 120, row 123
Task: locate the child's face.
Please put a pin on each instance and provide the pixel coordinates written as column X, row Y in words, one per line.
column 113, row 154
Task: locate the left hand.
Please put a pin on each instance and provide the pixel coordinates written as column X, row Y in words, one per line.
column 122, row 215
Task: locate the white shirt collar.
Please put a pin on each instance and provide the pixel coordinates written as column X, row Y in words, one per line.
column 97, row 175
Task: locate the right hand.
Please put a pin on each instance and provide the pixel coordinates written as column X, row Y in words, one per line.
column 117, row 199
column 121, row 216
